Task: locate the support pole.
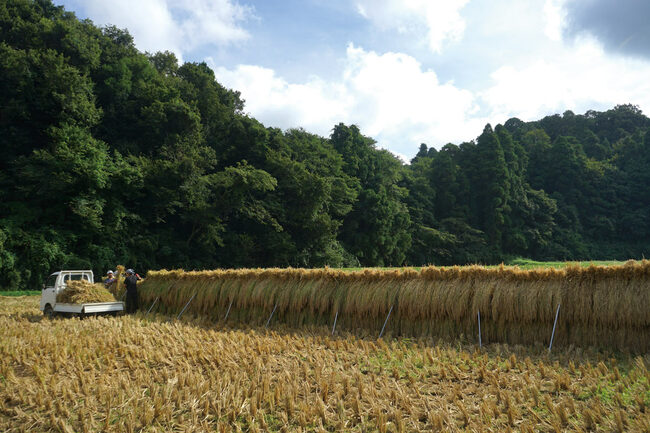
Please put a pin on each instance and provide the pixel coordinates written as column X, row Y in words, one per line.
column 480, row 343
column 154, row 303
column 228, row 312
column 185, row 307
column 557, row 313
column 334, row 327
column 386, row 321
column 269, row 321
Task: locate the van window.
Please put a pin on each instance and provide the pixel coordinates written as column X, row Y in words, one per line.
column 51, row 281
column 75, row 277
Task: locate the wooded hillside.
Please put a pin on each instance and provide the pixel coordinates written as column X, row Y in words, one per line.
column 111, row 155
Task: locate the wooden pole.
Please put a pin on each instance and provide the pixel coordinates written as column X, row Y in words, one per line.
column 386, row 321
column 185, row 307
column 557, row 313
column 269, row 321
column 228, row 312
column 334, row 327
column 480, row 343
column 154, row 303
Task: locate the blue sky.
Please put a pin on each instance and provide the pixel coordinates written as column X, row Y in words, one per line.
column 405, row 71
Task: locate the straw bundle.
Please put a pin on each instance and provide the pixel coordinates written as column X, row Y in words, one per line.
column 82, row 292
column 117, row 288
column 600, row 306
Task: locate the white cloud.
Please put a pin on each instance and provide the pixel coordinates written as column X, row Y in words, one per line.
column 314, row 105
column 399, row 103
column 440, row 17
column 555, row 17
column 578, row 77
column 513, row 58
column 389, row 96
column 177, row 25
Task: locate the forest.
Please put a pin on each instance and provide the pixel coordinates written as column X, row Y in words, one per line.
column 109, row 155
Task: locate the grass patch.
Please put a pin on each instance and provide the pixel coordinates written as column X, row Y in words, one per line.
column 20, row 293
column 519, row 262
column 531, row 264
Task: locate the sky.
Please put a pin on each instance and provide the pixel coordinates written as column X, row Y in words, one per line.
column 405, row 71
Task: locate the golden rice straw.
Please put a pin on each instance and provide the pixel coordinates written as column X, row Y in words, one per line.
column 601, row 305
column 83, row 292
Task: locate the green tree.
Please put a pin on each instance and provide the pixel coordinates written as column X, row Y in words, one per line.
column 490, row 187
column 376, row 231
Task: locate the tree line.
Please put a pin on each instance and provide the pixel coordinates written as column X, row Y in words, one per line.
column 109, row 155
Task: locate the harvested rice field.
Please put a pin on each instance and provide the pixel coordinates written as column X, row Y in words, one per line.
column 603, row 306
column 146, row 373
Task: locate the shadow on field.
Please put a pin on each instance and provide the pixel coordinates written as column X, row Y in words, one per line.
column 563, row 355
column 31, row 317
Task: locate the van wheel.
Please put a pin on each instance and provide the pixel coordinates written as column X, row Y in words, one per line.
column 48, row 311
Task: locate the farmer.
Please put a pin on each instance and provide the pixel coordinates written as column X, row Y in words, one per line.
column 110, row 279
column 131, row 283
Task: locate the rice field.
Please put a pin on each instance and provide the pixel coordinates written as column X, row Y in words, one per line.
column 129, row 373
column 146, row 373
column 603, row 306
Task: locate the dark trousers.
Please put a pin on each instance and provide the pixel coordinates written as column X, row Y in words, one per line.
column 131, row 302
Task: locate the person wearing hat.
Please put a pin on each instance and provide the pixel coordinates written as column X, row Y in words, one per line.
column 110, row 279
column 131, row 283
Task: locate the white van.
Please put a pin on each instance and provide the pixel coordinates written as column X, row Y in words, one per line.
column 57, row 282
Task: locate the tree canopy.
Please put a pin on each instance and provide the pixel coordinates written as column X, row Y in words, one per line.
column 109, row 155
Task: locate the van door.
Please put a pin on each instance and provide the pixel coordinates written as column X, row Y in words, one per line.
column 48, row 295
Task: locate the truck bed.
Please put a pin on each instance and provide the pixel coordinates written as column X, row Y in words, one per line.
column 90, row 308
